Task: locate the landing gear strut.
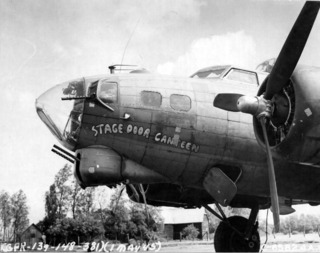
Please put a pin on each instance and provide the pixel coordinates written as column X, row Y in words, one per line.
column 236, row 233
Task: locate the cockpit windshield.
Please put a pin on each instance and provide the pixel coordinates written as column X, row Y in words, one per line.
column 60, row 108
column 229, row 73
column 243, row 76
column 210, row 72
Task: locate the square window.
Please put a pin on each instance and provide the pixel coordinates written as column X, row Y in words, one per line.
column 108, row 92
column 180, row 102
column 151, row 98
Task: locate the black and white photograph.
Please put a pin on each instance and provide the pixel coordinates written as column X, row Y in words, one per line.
column 160, row 126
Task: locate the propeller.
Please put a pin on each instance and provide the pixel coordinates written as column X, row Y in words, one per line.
column 292, row 49
column 262, row 107
column 227, row 101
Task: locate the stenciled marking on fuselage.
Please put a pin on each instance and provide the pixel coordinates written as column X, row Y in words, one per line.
column 144, row 132
column 159, row 137
column 120, row 128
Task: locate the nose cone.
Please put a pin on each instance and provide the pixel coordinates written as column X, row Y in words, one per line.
column 62, row 117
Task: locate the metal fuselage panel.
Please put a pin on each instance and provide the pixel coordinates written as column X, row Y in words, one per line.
column 181, row 136
column 207, row 136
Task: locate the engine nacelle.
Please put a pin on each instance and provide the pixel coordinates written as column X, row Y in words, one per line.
column 294, row 128
column 100, row 165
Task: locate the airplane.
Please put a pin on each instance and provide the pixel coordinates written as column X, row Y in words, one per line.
column 220, row 136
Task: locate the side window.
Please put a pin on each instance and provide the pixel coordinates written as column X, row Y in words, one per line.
column 151, row 98
column 107, row 92
column 93, row 88
column 180, row 102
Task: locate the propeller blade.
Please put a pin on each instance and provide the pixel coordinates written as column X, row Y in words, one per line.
column 227, row 101
column 272, row 179
column 292, row 49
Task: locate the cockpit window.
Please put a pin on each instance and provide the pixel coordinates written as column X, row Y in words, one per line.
column 107, row 92
column 208, row 74
column 242, row 76
column 151, row 98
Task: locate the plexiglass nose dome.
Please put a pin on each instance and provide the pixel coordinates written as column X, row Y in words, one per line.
column 61, row 110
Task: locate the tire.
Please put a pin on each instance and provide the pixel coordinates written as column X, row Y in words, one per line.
column 227, row 240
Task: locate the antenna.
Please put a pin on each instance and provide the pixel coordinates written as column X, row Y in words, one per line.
column 125, row 49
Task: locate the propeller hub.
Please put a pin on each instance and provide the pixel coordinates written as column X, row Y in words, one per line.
column 256, row 106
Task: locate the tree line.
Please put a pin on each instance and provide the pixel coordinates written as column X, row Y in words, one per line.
column 294, row 224
column 81, row 215
column 13, row 215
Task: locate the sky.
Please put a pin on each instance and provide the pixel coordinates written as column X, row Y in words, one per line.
column 43, row 43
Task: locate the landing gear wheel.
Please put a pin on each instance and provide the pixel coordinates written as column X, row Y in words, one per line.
column 227, row 240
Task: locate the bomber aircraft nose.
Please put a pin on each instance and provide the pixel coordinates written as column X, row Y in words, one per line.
column 60, row 110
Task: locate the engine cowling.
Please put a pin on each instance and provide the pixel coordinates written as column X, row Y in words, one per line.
column 100, row 165
column 294, row 127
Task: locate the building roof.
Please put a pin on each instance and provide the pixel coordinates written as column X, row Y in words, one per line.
column 173, row 215
column 32, row 225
